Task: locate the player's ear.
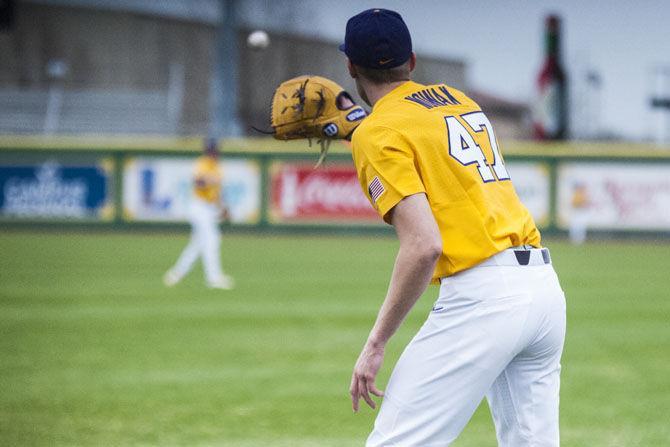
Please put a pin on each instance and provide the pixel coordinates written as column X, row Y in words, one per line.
column 412, row 61
column 352, row 69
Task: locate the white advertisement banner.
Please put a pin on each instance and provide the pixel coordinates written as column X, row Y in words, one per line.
column 161, row 189
column 531, row 182
column 620, row 196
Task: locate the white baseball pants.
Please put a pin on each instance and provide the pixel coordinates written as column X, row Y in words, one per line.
column 205, row 241
column 496, row 330
column 579, row 221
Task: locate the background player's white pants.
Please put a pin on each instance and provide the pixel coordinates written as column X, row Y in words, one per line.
column 578, row 226
column 205, row 241
column 495, row 331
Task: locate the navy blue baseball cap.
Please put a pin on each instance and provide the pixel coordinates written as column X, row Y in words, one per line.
column 377, row 38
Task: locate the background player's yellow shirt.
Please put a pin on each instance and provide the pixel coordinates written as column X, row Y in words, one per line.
column 207, row 185
column 435, row 140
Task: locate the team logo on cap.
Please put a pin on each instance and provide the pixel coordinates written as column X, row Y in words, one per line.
column 355, row 115
column 330, row 129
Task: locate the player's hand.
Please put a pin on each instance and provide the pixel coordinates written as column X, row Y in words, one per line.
column 363, row 378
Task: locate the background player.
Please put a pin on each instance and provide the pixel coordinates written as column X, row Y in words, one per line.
column 579, row 213
column 428, row 160
column 207, row 209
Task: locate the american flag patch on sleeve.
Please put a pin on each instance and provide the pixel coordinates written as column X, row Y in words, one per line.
column 376, row 189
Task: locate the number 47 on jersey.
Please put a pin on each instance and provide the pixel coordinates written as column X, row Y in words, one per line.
column 462, row 145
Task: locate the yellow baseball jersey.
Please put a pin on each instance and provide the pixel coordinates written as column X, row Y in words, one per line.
column 207, row 185
column 579, row 198
column 435, row 140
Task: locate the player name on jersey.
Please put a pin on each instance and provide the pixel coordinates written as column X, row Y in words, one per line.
column 430, row 97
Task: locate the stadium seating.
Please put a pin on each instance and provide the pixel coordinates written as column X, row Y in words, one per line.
column 87, row 111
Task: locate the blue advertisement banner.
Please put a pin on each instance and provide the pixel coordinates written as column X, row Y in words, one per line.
column 50, row 190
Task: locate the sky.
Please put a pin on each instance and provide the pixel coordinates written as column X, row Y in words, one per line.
column 502, row 43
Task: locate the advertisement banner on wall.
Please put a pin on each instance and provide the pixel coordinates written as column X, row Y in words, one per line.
column 532, row 184
column 615, row 195
column 328, row 195
column 161, row 189
column 53, row 190
column 301, row 194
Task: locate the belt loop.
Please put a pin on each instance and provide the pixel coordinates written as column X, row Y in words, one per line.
column 522, row 256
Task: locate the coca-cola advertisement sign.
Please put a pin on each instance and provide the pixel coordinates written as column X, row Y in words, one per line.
column 330, row 194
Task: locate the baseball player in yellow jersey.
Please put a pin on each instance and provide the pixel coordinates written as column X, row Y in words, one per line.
column 579, row 206
column 429, row 162
column 205, row 212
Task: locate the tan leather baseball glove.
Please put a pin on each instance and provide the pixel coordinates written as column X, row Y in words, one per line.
column 314, row 107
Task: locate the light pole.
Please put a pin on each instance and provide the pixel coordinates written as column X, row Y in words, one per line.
column 224, row 120
column 660, row 101
column 57, row 70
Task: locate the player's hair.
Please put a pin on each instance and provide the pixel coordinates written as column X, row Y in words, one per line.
column 385, row 76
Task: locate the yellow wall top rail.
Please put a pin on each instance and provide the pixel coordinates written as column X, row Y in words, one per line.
column 266, row 145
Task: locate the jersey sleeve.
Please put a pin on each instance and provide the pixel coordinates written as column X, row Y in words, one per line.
column 385, row 163
column 198, row 169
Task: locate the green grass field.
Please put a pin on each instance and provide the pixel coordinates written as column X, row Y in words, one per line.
column 94, row 351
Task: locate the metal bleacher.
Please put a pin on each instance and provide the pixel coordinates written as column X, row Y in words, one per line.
column 86, row 112
column 22, row 111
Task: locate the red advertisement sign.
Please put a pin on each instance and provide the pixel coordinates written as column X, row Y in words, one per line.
column 330, row 194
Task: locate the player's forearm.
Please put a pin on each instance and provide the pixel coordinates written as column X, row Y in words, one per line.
column 412, row 272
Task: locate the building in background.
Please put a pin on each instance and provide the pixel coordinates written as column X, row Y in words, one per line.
column 128, row 67
column 511, row 119
column 121, row 70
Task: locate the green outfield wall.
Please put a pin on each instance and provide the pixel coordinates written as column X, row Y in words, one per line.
column 145, row 182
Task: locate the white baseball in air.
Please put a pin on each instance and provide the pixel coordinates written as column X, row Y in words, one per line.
column 258, row 40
